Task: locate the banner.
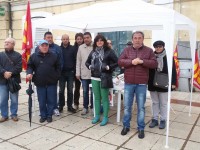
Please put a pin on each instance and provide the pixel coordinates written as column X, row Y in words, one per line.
column 27, row 44
column 197, row 71
column 177, row 65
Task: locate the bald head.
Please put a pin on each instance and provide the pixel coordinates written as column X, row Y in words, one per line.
column 65, row 40
column 9, row 44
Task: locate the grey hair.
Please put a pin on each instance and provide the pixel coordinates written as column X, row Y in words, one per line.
column 138, row 32
column 11, row 39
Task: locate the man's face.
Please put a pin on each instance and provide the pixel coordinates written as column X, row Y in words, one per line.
column 65, row 40
column 87, row 39
column 9, row 44
column 79, row 40
column 49, row 38
column 44, row 48
column 137, row 40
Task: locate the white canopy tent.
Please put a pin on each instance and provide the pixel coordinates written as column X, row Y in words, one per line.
column 126, row 15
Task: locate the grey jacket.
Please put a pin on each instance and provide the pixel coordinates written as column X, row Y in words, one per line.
column 82, row 55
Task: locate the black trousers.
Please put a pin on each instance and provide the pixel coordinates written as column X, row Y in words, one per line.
column 77, row 91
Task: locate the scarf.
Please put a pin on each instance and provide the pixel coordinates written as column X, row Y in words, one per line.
column 99, row 55
column 159, row 57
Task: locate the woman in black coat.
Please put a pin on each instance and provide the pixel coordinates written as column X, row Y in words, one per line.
column 102, row 61
column 158, row 95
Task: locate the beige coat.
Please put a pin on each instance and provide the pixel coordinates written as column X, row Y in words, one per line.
column 82, row 55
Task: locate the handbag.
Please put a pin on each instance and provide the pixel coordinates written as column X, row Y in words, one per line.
column 13, row 86
column 161, row 80
column 106, row 80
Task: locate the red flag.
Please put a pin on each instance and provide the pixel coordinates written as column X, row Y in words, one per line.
column 177, row 65
column 27, row 44
column 197, row 71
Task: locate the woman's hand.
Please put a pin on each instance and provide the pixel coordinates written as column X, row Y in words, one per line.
column 173, row 87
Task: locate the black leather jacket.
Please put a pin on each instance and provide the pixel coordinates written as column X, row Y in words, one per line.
column 110, row 60
column 5, row 65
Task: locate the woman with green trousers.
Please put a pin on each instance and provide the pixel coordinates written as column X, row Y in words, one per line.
column 102, row 61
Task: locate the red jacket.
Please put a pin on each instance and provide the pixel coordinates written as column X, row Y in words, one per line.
column 137, row 74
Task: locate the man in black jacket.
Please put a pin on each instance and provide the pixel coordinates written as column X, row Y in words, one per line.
column 67, row 75
column 10, row 67
column 44, row 68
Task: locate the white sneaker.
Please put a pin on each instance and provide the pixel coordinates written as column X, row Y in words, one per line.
column 84, row 111
column 56, row 112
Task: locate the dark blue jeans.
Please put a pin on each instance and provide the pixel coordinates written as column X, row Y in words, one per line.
column 86, row 89
column 140, row 91
column 67, row 77
column 47, row 96
column 4, row 98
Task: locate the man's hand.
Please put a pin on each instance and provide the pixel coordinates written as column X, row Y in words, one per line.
column 29, row 77
column 7, row 74
column 137, row 61
column 78, row 77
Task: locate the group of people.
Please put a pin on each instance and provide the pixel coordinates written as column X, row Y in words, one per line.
column 86, row 63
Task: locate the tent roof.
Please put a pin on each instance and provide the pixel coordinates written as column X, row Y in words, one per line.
column 115, row 16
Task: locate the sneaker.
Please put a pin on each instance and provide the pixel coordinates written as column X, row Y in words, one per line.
column 49, row 119
column 72, row 110
column 125, row 131
column 76, row 107
column 3, row 119
column 153, row 123
column 15, row 118
column 141, row 134
column 42, row 120
column 162, row 124
column 84, row 111
column 56, row 112
column 95, row 119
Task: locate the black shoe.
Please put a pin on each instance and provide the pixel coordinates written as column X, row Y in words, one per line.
column 153, row 123
column 49, row 119
column 42, row 120
column 60, row 109
column 141, row 134
column 162, row 124
column 72, row 110
column 125, row 131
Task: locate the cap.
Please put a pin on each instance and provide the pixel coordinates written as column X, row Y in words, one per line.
column 158, row 43
column 43, row 42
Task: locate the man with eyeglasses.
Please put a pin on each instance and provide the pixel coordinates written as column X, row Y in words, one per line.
column 10, row 67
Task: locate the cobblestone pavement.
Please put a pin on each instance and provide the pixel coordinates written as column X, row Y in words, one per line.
column 73, row 131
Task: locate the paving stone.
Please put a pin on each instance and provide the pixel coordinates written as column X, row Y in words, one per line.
column 195, row 134
column 9, row 146
column 115, row 137
column 98, row 131
column 71, row 124
column 185, row 118
column 41, row 138
column 194, row 110
column 177, row 107
column 192, row 146
column 179, row 130
column 198, row 123
column 11, row 129
column 173, row 143
column 144, row 144
column 78, row 143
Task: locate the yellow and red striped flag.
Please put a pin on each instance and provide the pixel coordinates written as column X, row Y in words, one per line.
column 177, row 65
column 197, row 71
column 27, row 44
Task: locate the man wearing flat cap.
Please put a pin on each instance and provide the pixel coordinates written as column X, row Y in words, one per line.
column 44, row 70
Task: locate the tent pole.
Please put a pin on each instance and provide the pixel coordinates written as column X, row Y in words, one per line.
column 193, row 48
